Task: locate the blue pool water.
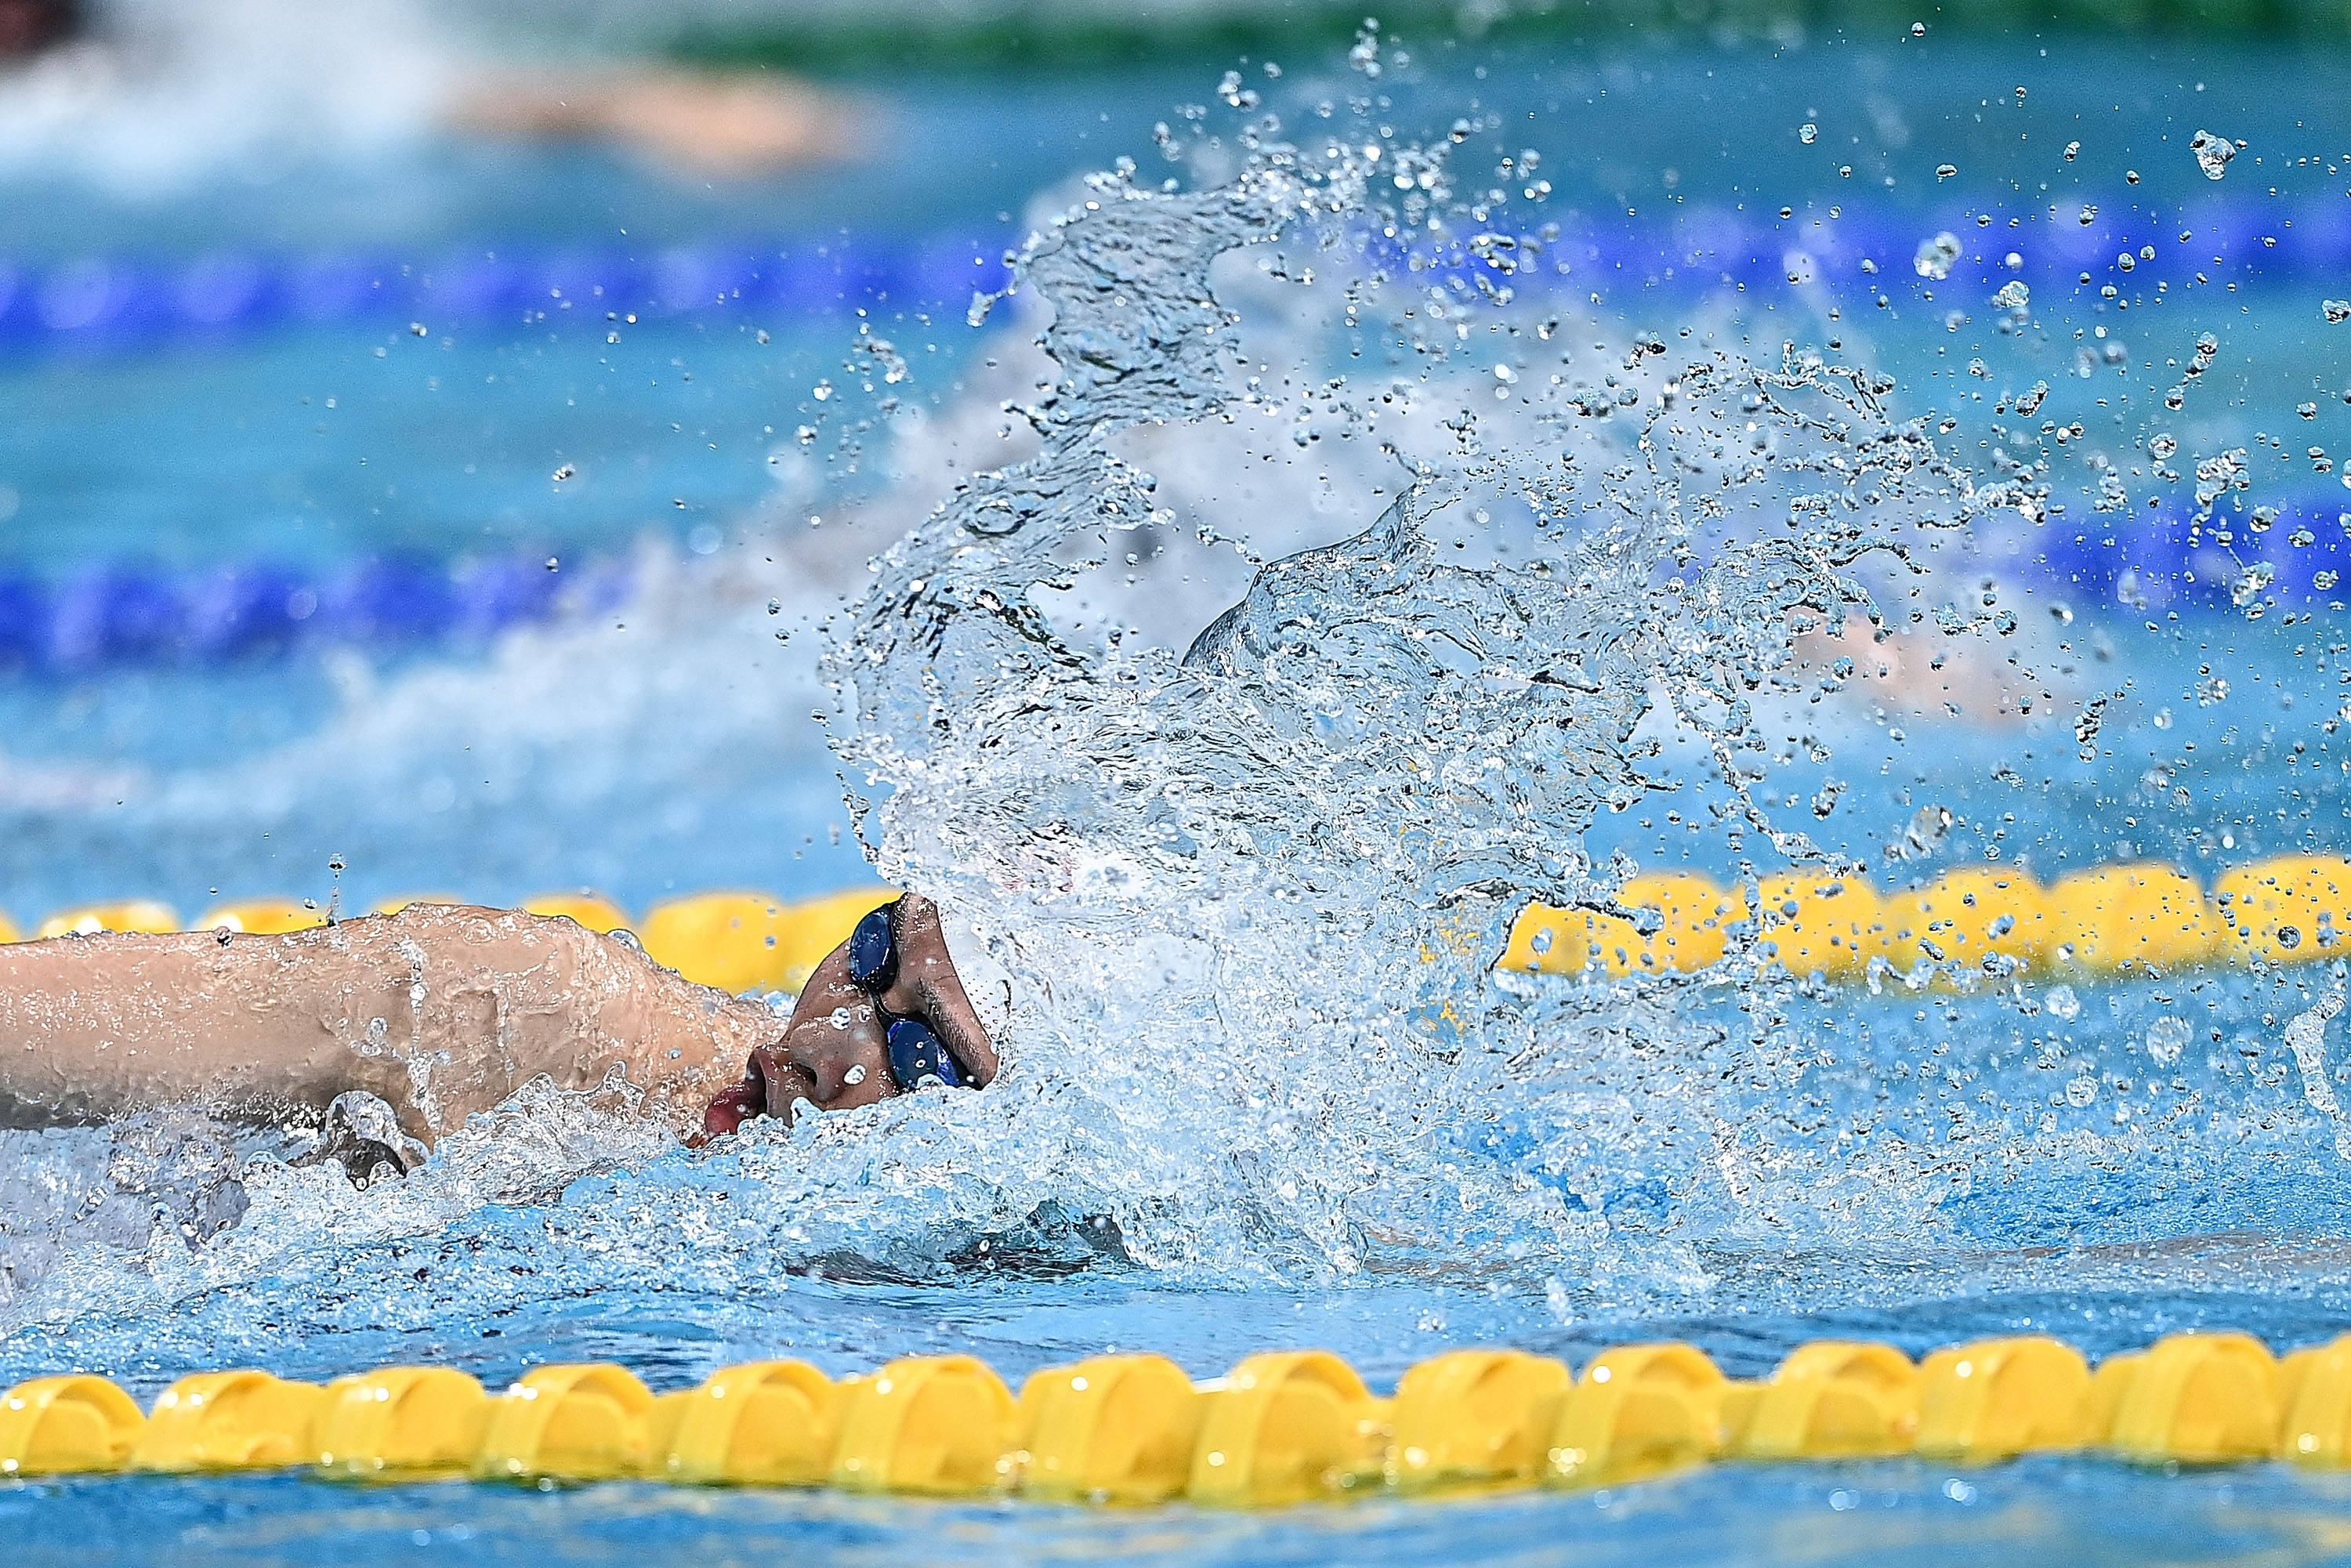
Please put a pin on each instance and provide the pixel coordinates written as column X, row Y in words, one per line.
column 1919, row 1167
column 1858, row 1514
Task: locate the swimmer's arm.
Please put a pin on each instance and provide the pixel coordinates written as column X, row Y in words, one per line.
column 439, row 1012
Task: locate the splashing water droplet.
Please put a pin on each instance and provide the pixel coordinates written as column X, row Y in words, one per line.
column 1935, row 256
column 2212, row 154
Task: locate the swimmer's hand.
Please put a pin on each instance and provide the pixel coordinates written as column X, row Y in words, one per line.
column 835, row 1053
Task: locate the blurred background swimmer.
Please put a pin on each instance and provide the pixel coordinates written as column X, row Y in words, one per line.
column 68, row 69
column 29, row 27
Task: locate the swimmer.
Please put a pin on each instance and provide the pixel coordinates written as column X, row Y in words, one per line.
column 442, row 1011
column 704, row 124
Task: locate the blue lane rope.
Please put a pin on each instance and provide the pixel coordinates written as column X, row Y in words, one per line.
column 101, row 301
column 97, row 300
column 1700, row 247
column 119, row 615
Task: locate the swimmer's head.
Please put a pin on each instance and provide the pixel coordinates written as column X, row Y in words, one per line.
column 28, row 26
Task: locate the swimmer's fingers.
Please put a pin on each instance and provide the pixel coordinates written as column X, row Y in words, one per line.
column 949, row 1014
column 945, row 1007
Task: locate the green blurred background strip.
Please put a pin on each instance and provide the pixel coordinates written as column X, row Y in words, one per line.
column 993, row 37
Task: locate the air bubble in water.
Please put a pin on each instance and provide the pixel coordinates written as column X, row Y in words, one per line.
column 2081, row 1091
column 2013, row 295
column 1808, row 133
column 2336, row 311
column 2166, row 1037
column 2063, row 1004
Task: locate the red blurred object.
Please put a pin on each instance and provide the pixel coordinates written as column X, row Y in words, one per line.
column 28, row 26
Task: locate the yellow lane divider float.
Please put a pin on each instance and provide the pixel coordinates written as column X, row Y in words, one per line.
column 737, row 941
column 2111, row 921
column 1974, row 921
column 1283, row 1427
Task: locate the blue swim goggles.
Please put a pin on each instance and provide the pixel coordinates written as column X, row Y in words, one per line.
column 915, row 1053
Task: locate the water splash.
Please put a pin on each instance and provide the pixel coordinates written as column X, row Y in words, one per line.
column 2305, row 1036
column 1252, row 895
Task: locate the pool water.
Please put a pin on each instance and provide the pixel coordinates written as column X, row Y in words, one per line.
column 1861, row 1513
column 1912, row 1165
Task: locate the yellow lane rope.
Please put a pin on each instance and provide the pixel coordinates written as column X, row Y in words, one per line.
column 1976, row 921
column 1282, row 1428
